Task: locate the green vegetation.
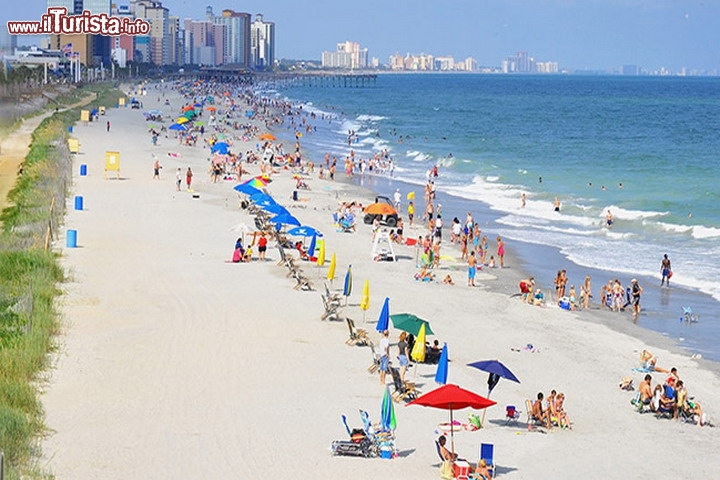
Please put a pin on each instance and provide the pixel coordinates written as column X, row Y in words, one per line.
column 29, row 277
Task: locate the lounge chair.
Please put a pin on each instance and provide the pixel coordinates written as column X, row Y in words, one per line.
column 403, row 389
column 532, row 421
column 303, row 283
column 330, row 309
column 332, row 297
column 486, row 453
column 358, row 336
column 375, row 365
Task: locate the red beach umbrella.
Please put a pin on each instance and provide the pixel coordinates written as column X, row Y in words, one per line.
column 451, row 397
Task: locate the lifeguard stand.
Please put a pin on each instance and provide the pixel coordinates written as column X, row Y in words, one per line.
column 382, row 247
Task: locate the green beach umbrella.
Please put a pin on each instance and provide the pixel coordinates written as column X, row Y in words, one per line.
column 407, row 322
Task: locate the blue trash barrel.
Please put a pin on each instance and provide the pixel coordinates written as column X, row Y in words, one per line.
column 71, row 239
column 70, row 129
column 78, row 202
column 83, row 170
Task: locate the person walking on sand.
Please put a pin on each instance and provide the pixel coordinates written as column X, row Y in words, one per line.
column 665, row 270
column 178, row 179
column 471, row 269
column 262, row 246
column 156, row 169
column 636, row 292
column 108, row 126
column 188, row 179
column 501, row 251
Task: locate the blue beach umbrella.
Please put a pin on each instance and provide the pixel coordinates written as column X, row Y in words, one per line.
column 220, row 147
column 246, row 189
column 275, row 208
column 442, row 368
column 387, row 412
column 304, row 231
column 311, row 248
column 285, row 219
column 495, row 367
column 384, row 319
column 176, row 126
column 261, row 197
column 347, row 286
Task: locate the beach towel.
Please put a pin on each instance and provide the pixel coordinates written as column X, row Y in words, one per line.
column 643, row 370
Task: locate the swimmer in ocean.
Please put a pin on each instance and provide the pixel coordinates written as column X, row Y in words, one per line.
column 609, row 219
column 556, row 204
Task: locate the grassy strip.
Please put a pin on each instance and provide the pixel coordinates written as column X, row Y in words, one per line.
column 29, row 277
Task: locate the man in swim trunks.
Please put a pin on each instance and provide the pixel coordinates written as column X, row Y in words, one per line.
column 645, row 390
column 665, row 270
column 471, row 269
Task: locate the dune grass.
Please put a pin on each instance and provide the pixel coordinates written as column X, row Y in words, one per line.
column 29, row 279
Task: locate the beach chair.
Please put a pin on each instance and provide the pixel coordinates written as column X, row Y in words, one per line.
column 532, row 421
column 332, row 297
column 511, row 414
column 358, row 336
column 375, row 365
column 303, row 283
column 330, row 309
column 487, row 451
column 403, row 389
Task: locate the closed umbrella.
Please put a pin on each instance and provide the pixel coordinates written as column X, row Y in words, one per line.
column 321, row 254
column 311, row 248
column 387, row 411
column 347, row 286
column 442, row 369
column 331, row 268
column 418, row 351
column 452, row 397
column 365, row 300
column 384, row 319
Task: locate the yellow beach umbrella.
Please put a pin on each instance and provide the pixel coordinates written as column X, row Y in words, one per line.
column 418, row 351
column 331, row 270
column 411, row 196
column 321, row 254
column 365, row 301
column 182, row 120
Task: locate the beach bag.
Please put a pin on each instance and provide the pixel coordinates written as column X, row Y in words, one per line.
column 446, row 470
column 670, row 274
column 237, row 255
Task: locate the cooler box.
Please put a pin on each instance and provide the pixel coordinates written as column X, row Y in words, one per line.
column 461, row 469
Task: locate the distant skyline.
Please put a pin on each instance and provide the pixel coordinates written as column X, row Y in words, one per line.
column 578, row 34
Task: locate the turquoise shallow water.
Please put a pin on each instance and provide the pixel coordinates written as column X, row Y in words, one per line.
column 495, row 137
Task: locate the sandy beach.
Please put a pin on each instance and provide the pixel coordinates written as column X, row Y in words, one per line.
column 176, row 363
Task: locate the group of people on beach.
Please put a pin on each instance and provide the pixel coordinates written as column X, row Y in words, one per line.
column 669, row 398
column 553, row 414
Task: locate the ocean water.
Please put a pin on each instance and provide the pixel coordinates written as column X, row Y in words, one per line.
column 646, row 148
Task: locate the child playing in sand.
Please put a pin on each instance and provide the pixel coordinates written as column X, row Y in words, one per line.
column 448, row 280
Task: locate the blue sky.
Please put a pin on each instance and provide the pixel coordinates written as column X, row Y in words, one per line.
column 579, row 34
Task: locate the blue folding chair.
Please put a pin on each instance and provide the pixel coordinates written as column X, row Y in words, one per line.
column 486, row 453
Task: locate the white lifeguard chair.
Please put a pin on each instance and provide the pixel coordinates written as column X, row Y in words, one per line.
column 382, row 247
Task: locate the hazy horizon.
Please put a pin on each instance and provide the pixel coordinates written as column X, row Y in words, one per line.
column 578, row 34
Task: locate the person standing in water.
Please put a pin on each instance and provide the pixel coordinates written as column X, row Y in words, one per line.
column 665, row 270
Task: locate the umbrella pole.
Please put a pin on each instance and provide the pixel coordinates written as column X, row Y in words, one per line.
column 482, row 421
column 452, row 434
